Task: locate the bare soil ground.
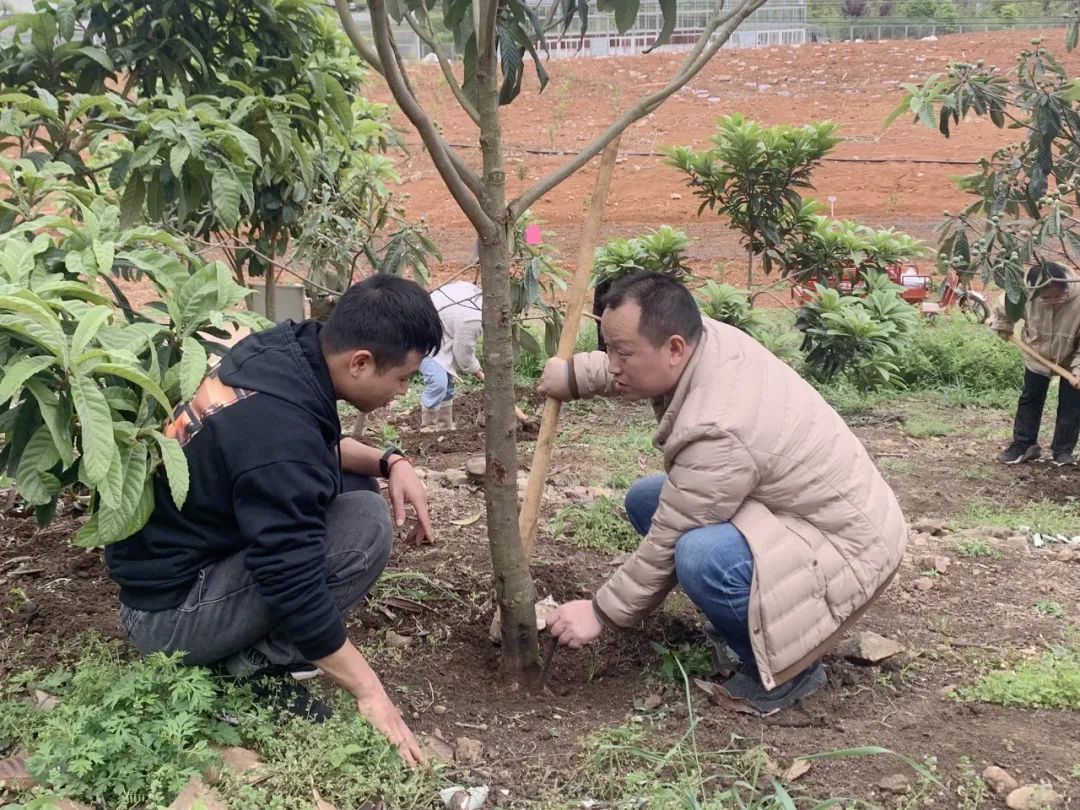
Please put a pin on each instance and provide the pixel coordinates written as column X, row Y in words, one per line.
column 980, row 612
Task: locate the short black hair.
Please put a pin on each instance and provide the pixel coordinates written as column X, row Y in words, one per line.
column 387, row 315
column 667, row 307
column 1050, row 273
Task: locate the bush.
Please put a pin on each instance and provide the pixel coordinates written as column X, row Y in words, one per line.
column 923, row 9
column 730, row 305
column 857, row 337
column 1009, row 11
column 659, row 251
column 965, row 361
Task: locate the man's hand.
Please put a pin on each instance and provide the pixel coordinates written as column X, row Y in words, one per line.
column 574, row 624
column 407, row 488
column 480, row 375
column 554, row 382
column 381, row 712
column 1006, row 336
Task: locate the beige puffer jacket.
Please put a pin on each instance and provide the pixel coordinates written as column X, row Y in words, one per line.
column 1052, row 331
column 747, row 440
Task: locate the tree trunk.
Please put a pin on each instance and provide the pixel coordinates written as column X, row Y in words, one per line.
column 514, row 589
column 270, row 290
column 749, row 269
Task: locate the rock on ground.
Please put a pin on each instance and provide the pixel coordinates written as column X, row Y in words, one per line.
column 868, row 647
column 468, row 751
column 197, row 796
column 13, row 773
column 897, row 784
column 999, row 780
column 1034, row 797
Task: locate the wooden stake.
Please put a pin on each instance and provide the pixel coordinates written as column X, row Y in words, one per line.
column 1064, row 373
column 579, row 290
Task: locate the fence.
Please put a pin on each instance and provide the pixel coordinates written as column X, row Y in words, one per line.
column 900, row 28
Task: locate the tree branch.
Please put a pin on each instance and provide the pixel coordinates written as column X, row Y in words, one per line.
column 444, row 158
column 444, row 64
column 703, row 51
column 356, row 37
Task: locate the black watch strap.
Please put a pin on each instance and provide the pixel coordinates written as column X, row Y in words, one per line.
column 384, row 462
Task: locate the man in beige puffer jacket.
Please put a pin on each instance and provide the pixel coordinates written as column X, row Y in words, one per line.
column 771, row 516
column 1051, row 328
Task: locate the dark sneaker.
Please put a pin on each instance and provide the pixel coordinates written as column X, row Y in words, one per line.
column 1018, row 454
column 285, row 696
column 769, row 701
column 725, row 660
column 304, row 671
column 1064, row 460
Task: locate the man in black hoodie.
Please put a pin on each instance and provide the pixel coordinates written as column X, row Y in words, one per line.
column 284, row 529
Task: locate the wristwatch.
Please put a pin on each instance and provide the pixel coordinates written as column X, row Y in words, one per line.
column 384, row 462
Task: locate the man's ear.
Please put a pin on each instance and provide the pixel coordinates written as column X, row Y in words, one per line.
column 361, row 362
column 677, row 347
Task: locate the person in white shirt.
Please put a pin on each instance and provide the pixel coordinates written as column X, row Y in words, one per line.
column 459, row 306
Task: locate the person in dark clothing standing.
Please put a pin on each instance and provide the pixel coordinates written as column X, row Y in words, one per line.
column 284, row 530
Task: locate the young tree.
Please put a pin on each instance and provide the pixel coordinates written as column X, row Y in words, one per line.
column 1026, row 194
column 495, row 36
column 753, row 174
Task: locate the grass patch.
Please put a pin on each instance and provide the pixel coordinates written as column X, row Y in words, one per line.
column 691, row 659
column 1051, row 681
column 1044, row 517
column 925, row 427
column 601, row 526
column 976, row 547
column 133, row 734
column 1048, row 607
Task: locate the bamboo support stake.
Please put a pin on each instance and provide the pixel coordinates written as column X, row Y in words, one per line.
column 579, row 290
column 1064, row 373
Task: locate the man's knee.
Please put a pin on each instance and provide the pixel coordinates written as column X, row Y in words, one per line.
column 359, row 531
column 690, row 557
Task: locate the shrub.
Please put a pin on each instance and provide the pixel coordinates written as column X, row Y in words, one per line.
column 659, row 251
column 922, row 9
column 730, row 305
column 858, row 337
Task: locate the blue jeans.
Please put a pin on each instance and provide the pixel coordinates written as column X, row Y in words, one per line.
column 713, row 564
column 438, row 383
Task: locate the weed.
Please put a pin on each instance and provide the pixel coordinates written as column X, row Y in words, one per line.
column 389, row 435
column 976, row 547
column 600, row 525
column 129, row 734
column 1051, row 681
column 971, row 792
column 925, row 427
column 1048, row 607
column 691, row 659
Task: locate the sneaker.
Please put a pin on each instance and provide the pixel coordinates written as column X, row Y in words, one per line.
column 286, row 696
column 304, row 671
column 769, row 701
column 726, row 661
column 1018, row 454
column 1064, row 459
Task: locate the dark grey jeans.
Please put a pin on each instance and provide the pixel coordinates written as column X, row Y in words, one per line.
column 224, row 618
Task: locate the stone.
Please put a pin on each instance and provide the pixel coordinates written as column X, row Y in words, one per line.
column 468, row 751
column 868, row 647
column 436, row 750
column 455, row 478
column 476, row 467
column 68, row 804
column 798, row 768
column 999, row 780
column 933, row 563
column 460, row 798
column 242, row 762
column 676, row 196
column 928, row 526
column 1034, row 797
column 197, row 796
column 396, row 640
column 1068, row 555
column 13, row 773
column 923, row 584
column 898, row 784
column 652, row 703
column 439, row 709
column 45, row 701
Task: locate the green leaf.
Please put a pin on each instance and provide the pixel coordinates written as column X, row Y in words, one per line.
column 138, row 377
column 95, row 423
column 88, row 328
column 98, row 55
column 104, row 254
column 38, row 457
column 65, row 19
column 176, row 467
column 178, row 156
column 226, row 198
column 114, row 521
column 19, row 373
column 111, row 487
column 193, row 364
column 669, row 11
column 131, row 204
column 57, row 415
column 626, row 12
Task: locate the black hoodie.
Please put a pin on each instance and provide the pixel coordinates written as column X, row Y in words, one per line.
column 264, row 467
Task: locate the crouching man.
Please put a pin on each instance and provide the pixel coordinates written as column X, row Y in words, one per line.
column 771, row 516
column 284, row 530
